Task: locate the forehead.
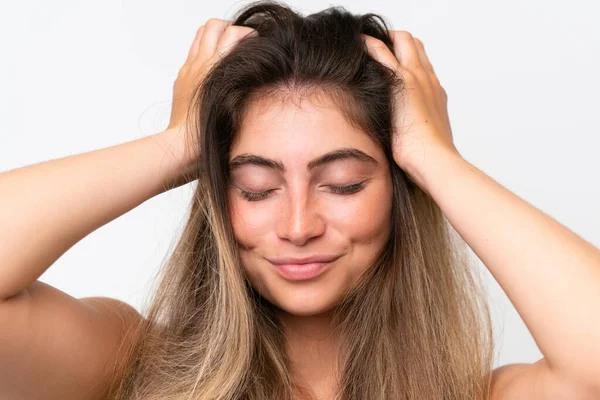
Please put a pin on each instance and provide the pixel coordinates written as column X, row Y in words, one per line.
column 296, row 126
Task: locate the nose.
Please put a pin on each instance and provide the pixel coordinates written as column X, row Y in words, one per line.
column 301, row 220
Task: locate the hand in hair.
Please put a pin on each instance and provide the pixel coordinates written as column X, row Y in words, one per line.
column 212, row 42
column 421, row 122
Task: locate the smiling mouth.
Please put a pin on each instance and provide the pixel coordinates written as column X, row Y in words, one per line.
column 299, row 272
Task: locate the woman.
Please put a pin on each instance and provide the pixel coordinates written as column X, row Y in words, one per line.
column 320, row 258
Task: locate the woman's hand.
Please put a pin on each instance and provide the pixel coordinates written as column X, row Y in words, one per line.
column 212, row 42
column 421, row 123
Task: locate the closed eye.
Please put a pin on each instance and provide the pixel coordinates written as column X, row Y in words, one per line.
column 342, row 190
column 347, row 189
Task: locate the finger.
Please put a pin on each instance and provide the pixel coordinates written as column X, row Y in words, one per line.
column 423, row 56
column 213, row 29
column 231, row 37
column 195, row 44
column 380, row 52
column 406, row 50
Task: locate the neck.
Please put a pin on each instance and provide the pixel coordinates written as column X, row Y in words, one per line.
column 312, row 351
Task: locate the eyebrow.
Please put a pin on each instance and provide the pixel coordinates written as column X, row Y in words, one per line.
column 334, row 155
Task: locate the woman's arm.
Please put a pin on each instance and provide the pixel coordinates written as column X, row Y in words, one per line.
column 51, row 344
column 550, row 274
column 46, row 208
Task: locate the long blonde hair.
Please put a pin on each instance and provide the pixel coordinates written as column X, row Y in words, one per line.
column 415, row 326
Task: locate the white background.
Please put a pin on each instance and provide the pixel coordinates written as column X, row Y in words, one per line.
column 521, row 77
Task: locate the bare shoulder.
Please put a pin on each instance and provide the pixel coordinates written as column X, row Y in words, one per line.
column 125, row 318
column 122, row 323
column 535, row 381
column 503, row 375
column 116, row 310
column 61, row 347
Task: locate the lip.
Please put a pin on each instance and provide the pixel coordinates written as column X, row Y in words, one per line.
column 296, row 269
column 322, row 258
column 298, row 272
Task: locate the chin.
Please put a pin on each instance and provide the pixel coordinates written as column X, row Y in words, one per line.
column 306, row 311
column 305, row 301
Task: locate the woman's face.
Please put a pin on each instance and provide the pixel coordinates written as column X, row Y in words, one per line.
column 296, row 211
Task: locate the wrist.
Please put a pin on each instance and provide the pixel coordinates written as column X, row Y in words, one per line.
column 176, row 143
column 182, row 164
column 438, row 162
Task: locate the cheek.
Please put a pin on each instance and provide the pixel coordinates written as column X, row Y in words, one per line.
column 366, row 231
column 249, row 224
column 366, row 220
column 250, row 230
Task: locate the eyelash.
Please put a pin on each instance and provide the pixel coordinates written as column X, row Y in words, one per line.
column 342, row 190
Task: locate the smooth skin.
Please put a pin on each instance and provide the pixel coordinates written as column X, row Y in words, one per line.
column 549, row 273
column 340, row 208
column 54, row 346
